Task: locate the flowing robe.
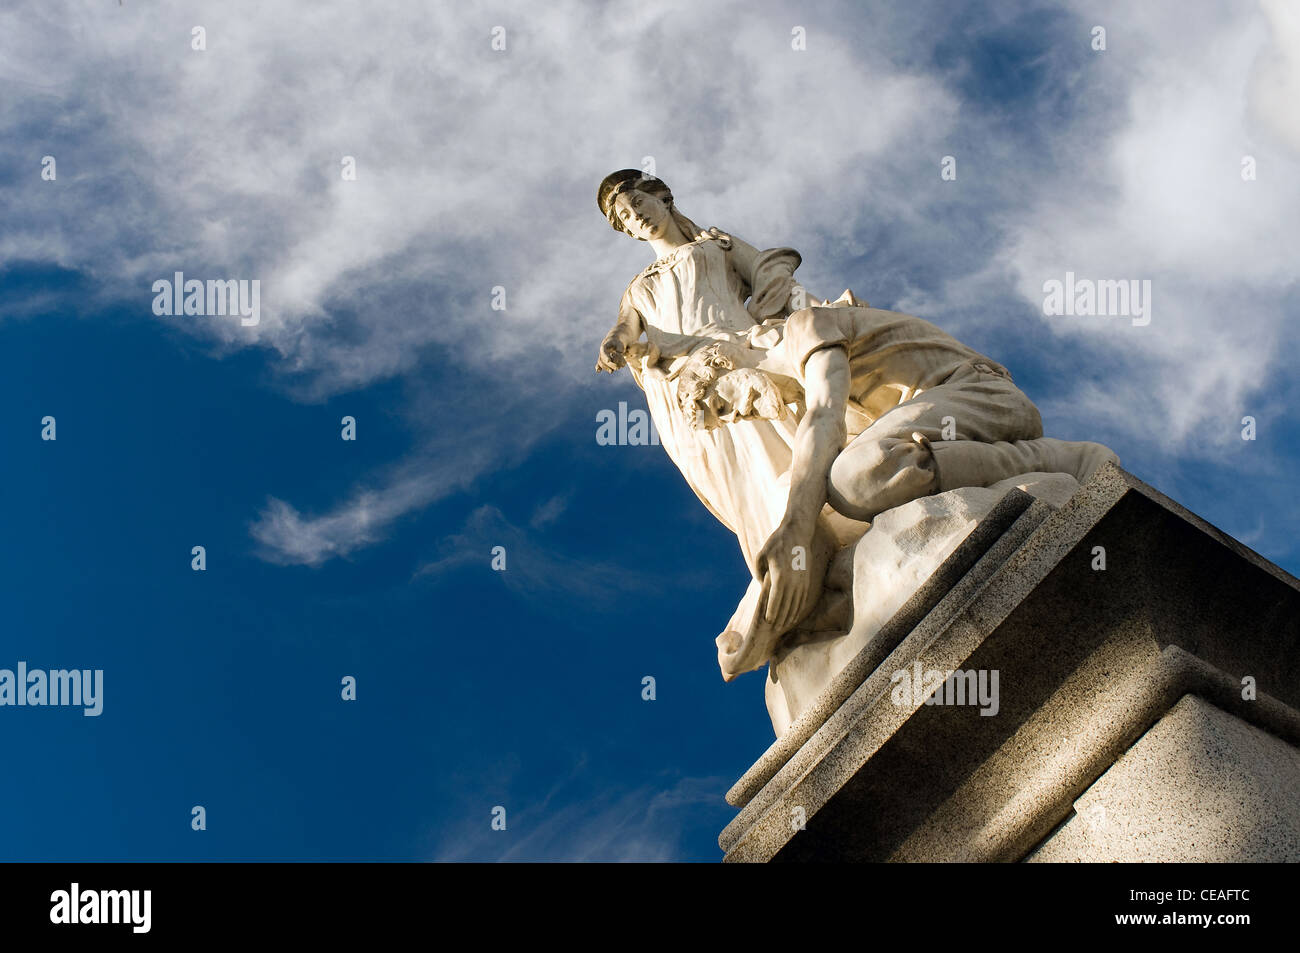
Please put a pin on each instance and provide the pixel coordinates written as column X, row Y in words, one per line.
column 695, row 294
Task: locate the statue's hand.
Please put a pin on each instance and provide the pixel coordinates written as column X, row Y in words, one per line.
column 784, row 566
column 612, row 352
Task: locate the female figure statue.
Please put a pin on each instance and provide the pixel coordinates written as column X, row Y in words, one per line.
column 693, row 294
column 874, row 394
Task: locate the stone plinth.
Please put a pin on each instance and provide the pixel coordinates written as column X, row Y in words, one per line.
column 1147, row 710
column 896, row 561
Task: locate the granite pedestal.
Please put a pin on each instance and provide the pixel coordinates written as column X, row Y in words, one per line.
column 1148, row 710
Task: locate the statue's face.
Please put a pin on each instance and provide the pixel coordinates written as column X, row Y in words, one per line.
column 643, row 215
column 746, row 394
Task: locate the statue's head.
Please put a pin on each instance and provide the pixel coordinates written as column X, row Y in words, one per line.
column 638, row 204
column 715, row 387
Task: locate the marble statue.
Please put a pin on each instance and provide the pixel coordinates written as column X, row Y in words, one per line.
column 693, row 293
column 798, row 421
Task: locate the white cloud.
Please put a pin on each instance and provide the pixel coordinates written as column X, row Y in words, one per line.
column 1156, row 192
column 596, row 825
column 475, row 169
column 478, row 169
column 1275, row 74
column 548, row 577
column 447, row 462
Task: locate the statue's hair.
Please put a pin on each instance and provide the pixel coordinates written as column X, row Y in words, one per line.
column 697, row 377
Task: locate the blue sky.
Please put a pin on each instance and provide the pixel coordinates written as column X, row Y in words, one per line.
column 476, row 428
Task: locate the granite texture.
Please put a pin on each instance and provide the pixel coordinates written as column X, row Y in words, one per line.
column 1201, row 785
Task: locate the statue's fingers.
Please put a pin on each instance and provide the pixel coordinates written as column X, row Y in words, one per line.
column 800, row 605
column 773, row 596
column 792, row 606
column 800, row 602
column 764, row 594
column 783, row 606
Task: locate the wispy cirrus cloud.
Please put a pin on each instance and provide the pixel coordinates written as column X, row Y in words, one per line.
column 543, row 573
column 606, row 825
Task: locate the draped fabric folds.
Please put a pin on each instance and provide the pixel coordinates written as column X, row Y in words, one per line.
column 695, row 295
